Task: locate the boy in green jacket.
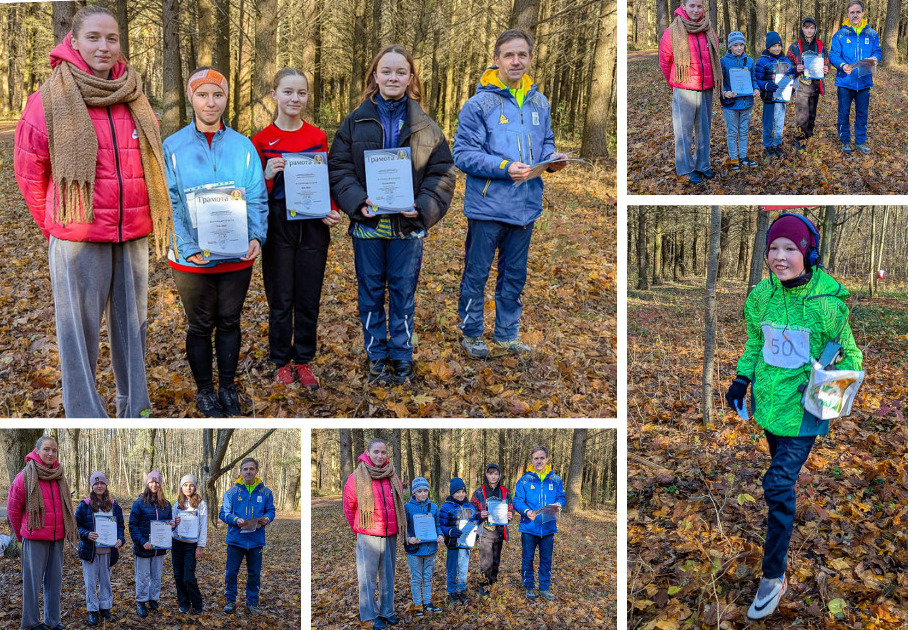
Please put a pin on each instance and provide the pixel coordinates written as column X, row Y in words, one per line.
column 790, row 317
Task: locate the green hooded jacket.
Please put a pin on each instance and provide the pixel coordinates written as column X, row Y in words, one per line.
column 781, row 323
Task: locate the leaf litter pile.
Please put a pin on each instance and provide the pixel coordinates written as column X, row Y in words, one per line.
column 569, row 318
column 584, row 579
column 279, row 597
column 821, row 170
column 696, row 516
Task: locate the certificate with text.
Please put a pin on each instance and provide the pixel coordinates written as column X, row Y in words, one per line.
column 161, row 535
column 188, row 529
column 498, row 511
column 389, row 180
column 106, row 529
column 813, row 66
column 468, row 532
column 306, row 185
column 424, row 528
column 740, row 82
column 222, row 223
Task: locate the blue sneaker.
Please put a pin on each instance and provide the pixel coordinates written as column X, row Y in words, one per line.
column 708, row 173
column 694, row 177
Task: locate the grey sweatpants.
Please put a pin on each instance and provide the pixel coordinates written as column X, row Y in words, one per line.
column 42, row 564
column 692, row 115
column 148, row 578
column 376, row 557
column 91, row 280
column 97, row 583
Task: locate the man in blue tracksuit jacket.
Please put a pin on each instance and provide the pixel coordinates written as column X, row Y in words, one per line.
column 854, row 42
column 502, row 131
column 538, row 488
column 249, row 500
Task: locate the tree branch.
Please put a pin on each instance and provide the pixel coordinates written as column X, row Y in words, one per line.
column 240, row 457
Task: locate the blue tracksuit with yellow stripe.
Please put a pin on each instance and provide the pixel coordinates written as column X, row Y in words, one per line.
column 496, row 127
column 534, row 491
column 242, row 503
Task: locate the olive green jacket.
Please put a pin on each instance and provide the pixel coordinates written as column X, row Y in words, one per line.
column 817, row 308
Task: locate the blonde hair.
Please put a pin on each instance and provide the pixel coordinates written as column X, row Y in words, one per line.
column 88, row 11
column 287, row 72
column 414, row 88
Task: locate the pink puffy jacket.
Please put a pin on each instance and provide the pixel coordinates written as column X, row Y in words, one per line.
column 701, row 68
column 120, row 197
column 53, row 509
column 385, row 514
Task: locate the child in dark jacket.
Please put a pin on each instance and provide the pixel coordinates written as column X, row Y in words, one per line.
column 809, row 90
column 98, row 559
column 457, row 514
column 737, row 108
column 421, row 553
column 770, row 64
column 150, row 506
column 493, row 536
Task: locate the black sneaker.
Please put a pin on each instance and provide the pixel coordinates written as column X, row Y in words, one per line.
column 453, row 598
column 208, row 405
column 769, row 152
column 392, row 620
column 432, row 609
column 230, row 400
column 379, row 371
column 418, row 611
column 230, row 608
column 708, row 173
column 141, row 611
column 184, row 609
column 105, row 614
column 403, row 371
column 197, row 611
column 748, row 162
column 93, row 618
column 483, row 592
column 252, row 610
column 464, row 598
column 152, row 604
column 800, row 146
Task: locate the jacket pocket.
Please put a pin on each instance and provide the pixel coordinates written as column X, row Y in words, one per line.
column 486, row 187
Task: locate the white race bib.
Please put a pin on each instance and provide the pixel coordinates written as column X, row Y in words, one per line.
column 785, row 348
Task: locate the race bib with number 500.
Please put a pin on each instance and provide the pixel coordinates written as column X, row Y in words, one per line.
column 785, row 348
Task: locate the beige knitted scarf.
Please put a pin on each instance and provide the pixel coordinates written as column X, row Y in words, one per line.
column 73, row 143
column 32, row 475
column 365, row 498
column 680, row 29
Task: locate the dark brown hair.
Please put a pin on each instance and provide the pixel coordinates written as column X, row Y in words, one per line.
column 508, row 35
column 414, row 88
column 86, row 12
column 150, row 498
column 102, row 503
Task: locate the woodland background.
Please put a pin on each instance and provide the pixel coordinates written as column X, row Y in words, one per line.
column 213, row 456
column 696, row 517
column 822, row 169
column 584, row 577
column 570, row 298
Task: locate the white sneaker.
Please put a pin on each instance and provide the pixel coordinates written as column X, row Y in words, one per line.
column 768, row 597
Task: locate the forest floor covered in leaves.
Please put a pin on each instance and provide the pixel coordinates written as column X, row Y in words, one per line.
column 569, row 318
column 584, row 579
column 279, row 597
column 696, row 516
column 821, row 170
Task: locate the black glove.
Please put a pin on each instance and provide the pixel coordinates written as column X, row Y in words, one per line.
column 771, row 87
column 454, row 533
column 736, row 393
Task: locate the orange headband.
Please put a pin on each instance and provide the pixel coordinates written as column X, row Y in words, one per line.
column 208, row 75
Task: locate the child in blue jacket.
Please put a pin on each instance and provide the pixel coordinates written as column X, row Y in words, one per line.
column 852, row 43
column 97, row 562
column 421, row 555
column 767, row 66
column 150, row 506
column 737, row 108
column 455, row 509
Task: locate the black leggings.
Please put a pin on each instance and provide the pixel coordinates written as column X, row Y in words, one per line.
column 213, row 303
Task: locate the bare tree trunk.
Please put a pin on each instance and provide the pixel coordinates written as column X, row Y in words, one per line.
column 174, row 108
column 879, row 255
column 76, row 478
column 445, row 449
column 828, row 234
column 524, row 15
column 146, row 443
column 16, row 444
column 265, row 63
column 601, row 111
column 890, row 42
column 657, row 253
column 62, row 15
column 425, row 453
column 574, row 490
column 212, row 467
column 396, row 445
column 220, row 53
column 346, row 458
column 663, row 18
column 709, row 315
column 411, row 474
column 122, row 12
column 642, row 251
column 714, row 15
column 359, row 444
column 871, row 273
column 207, row 37
column 756, row 255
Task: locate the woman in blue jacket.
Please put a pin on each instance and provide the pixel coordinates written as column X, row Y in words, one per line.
column 538, row 488
column 208, row 157
column 853, row 43
column 387, row 248
column 97, row 561
column 421, row 555
column 150, row 506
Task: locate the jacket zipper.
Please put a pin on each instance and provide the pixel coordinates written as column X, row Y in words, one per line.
column 700, row 55
column 381, row 486
column 116, row 148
